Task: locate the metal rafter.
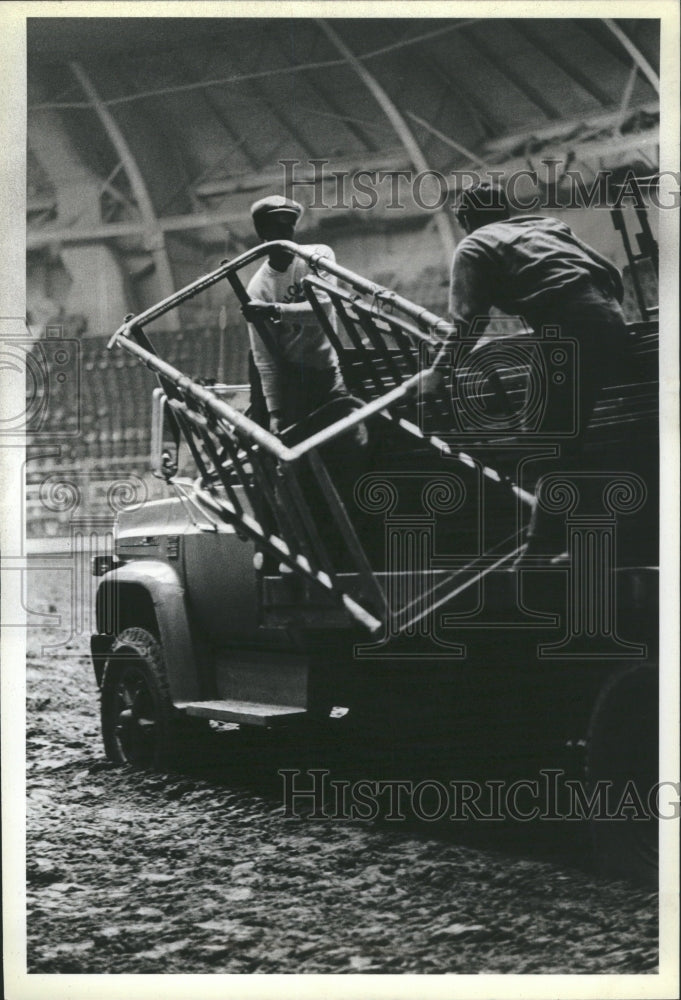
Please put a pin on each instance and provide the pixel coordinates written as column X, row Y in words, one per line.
column 456, row 86
column 559, row 131
column 453, row 84
column 634, row 52
column 108, row 187
column 446, row 139
column 153, row 232
column 439, row 107
column 240, row 140
column 259, row 74
column 280, row 115
column 517, row 79
column 617, row 44
column 112, row 230
column 398, row 122
column 352, row 126
column 557, row 56
column 132, row 72
column 627, row 92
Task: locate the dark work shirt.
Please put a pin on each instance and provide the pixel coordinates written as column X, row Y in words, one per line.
column 525, row 266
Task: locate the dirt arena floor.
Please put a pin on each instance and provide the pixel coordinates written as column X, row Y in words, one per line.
column 198, row 871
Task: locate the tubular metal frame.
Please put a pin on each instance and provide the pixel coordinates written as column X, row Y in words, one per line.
column 231, row 450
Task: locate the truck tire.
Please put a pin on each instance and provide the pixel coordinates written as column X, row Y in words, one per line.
column 140, row 725
column 622, row 750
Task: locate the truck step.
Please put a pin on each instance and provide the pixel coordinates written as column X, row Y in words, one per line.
column 248, row 713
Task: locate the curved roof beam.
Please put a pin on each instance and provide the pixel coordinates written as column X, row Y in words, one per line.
column 398, row 122
column 154, row 238
column 634, row 52
column 447, row 140
column 240, row 78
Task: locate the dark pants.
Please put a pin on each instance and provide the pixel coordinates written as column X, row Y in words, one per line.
column 596, row 322
column 307, row 389
column 304, row 390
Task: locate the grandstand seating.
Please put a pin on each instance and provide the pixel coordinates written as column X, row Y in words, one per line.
column 104, row 429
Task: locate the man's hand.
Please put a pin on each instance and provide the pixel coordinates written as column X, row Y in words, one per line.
column 430, row 383
column 275, row 422
column 257, row 310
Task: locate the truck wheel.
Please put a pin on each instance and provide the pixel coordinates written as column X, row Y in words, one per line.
column 140, row 726
column 622, row 750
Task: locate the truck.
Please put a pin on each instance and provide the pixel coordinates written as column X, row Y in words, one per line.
column 363, row 559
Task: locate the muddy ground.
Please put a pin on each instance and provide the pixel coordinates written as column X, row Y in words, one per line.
column 198, row 871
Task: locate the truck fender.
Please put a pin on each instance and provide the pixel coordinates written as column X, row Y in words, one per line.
column 165, row 597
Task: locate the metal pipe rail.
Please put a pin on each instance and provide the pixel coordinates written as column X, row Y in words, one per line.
column 204, row 396
column 275, row 469
column 317, row 262
column 321, row 544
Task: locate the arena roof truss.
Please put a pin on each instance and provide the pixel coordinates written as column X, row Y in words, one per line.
column 176, row 124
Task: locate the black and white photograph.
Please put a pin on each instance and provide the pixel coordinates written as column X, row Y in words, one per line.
column 339, row 443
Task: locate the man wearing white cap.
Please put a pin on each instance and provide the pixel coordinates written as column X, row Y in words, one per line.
column 298, row 368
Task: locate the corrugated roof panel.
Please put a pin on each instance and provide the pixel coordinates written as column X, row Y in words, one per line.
column 284, row 90
column 506, row 102
column 554, row 84
column 596, row 51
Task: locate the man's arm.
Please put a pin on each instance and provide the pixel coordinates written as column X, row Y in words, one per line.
column 296, row 312
column 302, row 312
column 469, row 300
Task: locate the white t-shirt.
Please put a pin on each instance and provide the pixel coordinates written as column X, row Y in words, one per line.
column 299, row 337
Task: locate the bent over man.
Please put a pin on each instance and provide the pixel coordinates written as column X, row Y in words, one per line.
column 298, row 367
column 536, row 268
